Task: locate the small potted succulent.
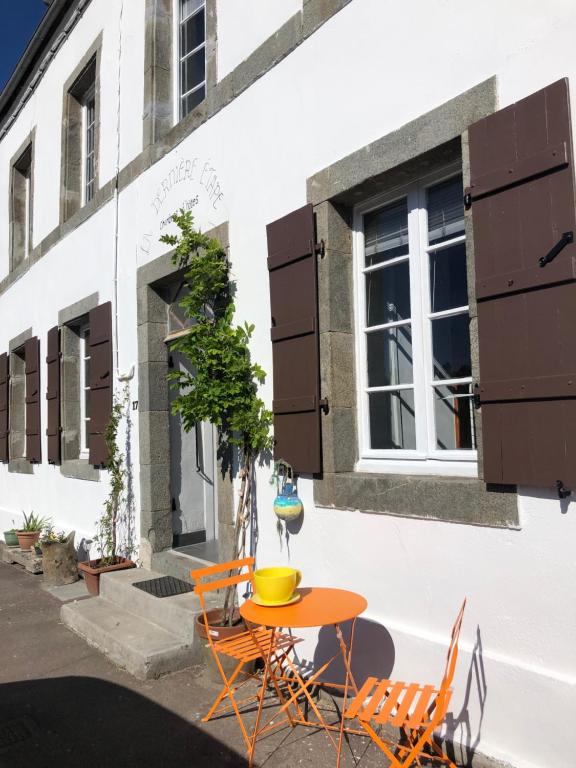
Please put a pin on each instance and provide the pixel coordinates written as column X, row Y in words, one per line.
column 106, row 528
column 30, row 532
column 59, row 557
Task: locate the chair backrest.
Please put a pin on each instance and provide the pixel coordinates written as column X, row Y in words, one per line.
column 452, row 655
column 236, row 575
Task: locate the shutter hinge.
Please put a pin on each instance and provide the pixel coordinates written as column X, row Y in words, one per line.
column 476, row 397
column 468, row 201
column 324, row 405
column 563, row 492
column 320, row 248
column 566, row 239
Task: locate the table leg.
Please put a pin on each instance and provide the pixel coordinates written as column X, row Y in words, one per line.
column 346, row 656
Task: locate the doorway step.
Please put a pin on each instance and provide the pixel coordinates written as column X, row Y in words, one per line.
column 179, row 562
column 146, row 635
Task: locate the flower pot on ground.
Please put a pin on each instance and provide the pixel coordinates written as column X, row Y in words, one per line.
column 11, row 538
column 93, row 569
column 30, row 532
column 59, row 558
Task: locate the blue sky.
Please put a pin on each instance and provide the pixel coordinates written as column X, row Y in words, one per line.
column 19, row 20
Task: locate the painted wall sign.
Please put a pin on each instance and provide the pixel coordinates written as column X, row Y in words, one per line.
column 174, row 193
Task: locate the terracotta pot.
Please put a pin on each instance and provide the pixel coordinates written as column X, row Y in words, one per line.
column 215, row 617
column 27, row 539
column 91, row 572
column 60, row 562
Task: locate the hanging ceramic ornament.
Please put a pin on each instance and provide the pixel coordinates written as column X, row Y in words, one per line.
column 287, row 504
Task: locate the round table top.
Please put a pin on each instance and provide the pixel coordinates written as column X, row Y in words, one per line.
column 317, row 607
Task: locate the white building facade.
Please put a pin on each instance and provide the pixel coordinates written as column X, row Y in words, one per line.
column 122, row 112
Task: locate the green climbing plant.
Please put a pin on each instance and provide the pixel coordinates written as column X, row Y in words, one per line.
column 223, row 387
column 106, row 536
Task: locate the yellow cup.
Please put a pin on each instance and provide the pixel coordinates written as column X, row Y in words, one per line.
column 276, row 585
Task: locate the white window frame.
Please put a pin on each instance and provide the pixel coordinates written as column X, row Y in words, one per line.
column 27, row 211
column 83, row 331
column 89, row 96
column 426, row 458
column 177, row 58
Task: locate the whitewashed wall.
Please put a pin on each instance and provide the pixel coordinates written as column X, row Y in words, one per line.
column 373, row 67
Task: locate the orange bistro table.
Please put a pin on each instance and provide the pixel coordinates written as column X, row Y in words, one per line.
column 318, row 607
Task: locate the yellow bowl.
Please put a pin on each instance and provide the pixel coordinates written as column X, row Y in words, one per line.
column 276, row 585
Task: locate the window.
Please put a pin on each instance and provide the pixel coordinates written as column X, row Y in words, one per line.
column 21, row 207
column 191, row 47
column 17, row 411
column 415, row 375
column 84, row 334
column 80, row 139
column 89, row 128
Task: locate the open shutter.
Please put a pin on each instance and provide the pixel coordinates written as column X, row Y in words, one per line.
column 522, row 196
column 100, row 320
column 33, row 440
column 53, row 395
column 4, row 400
column 295, row 349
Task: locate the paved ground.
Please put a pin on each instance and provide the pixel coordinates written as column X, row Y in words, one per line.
column 82, row 710
column 72, row 707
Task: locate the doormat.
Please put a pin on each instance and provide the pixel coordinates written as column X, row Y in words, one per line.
column 14, row 732
column 165, row 586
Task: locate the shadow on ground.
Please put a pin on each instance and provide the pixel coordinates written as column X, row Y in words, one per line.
column 72, row 721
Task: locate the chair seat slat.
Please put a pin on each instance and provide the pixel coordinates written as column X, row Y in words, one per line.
column 390, row 703
column 407, row 699
column 415, row 719
column 380, row 693
column 360, row 698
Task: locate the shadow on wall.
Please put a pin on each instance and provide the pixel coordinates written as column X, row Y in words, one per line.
column 373, row 652
column 72, row 721
column 460, row 743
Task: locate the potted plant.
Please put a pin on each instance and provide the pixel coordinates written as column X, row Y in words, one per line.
column 30, row 532
column 59, row 557
column 224, row 386
column 106, row 527
column 11, row 538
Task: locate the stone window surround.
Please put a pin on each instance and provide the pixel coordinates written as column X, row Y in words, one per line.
column 295, row 31
column 71, row 156
column 432, row 140
column 160, row 61
column 153, row 407
column 17, row 437
column 16, row 249
column 69, row 320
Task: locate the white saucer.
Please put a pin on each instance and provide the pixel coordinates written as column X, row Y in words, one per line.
column 270, row 604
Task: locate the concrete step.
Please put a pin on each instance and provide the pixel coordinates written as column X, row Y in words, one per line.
column 178, row 564
column 143, row 648
column 175, row 614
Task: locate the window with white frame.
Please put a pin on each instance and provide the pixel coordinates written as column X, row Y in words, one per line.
column 415, row 375
column 88, row 150
column 21, row 207
column 84, row 389
column 191, row 48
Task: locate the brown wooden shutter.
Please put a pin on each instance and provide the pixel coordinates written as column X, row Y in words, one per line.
column 4, row 401
column 101, row 379
column 53, row 430
column 33, row 439
column 295, row 350
column 522, row 194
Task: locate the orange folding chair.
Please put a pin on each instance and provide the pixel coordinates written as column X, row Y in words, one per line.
column 246, row 647
column 416, row 709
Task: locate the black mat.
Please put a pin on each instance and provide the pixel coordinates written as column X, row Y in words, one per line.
column 14, row 732
column 165, row 586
